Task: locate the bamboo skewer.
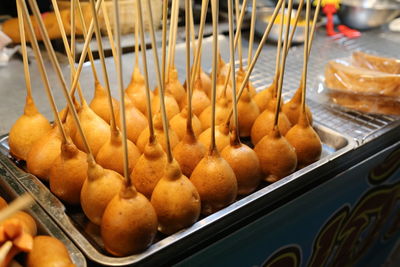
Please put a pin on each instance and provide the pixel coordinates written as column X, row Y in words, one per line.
column 240, row 50
column 56, row 66
column 109, row 31
column 152, row 137
column 174, row 32
column 238, row 30
column 197, row 56
column 214, row 9
column 68, row 49
column 192, row 31
column 4, row 249
column 257, row 53
column 305, row 58
column 252, row 29
column 103, row 64
column 160, row 84
column 82, row 58
column 137, row 41
column 173, row 26
column 232, row 64
column 117, row 57
column 73, row 32
column 283, row 62
column 25, row 19
column 164, row 40
column 188, row 31
column 18, row 204
column 24, row 53
column 85, row 35
column 278, row 54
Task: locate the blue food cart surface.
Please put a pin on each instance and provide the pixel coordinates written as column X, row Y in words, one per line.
column 342, row 211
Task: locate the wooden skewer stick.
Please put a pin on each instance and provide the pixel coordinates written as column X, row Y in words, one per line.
column 188, row 32
column 232, row 64
column 56, row 66
column 283, row 61
column 192, row 31
column 152, row 136
column 109, row 31
column 197, row 56
column 73, row 33
column 18, row 204
column 164, row 40
column 238, row 30
column 296, row 20
column 158, row 74
column 117, row 33
column 90, row 54
column 22, row 19
column 278, row 54
column 137, row 40
column 68, row 49
column 257, row 53
column 311, row 34
column 240, row 50
column 103, row 62
column 82, row 58
column 24, row 53
column 252, row 29
column 174, row 32
column 4, row 249
column 305, row 58
column 214, row 9
column 172, row 22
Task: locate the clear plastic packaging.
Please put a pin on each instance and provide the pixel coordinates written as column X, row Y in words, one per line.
column 363, row 82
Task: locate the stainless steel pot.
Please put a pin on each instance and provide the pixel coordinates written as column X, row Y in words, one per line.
column 368, row 14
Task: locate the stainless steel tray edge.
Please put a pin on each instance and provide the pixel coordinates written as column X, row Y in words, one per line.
column 10, row 183
column 56, row 209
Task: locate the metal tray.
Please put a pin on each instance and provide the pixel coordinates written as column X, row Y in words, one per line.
column 11, row 189
column 86, row 236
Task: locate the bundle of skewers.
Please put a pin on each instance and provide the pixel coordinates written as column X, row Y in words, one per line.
column 154, row 160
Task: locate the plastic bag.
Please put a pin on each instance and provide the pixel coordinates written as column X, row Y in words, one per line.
column 360, row 83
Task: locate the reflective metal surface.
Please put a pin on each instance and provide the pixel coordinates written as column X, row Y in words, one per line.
column 10, row 188
column 86, row 235
column 368, row 14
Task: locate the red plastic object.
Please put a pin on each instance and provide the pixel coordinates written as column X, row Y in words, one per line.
column 329, row 10
column 348, row 32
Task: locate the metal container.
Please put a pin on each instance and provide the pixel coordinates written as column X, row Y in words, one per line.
column 10, row 189
column 368, row 14
column 263, row 15
column 86, row 235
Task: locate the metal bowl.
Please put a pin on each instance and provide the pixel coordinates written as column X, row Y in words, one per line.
column 368, row 14
column 263, row 16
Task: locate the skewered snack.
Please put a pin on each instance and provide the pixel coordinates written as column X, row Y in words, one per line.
column 110, row 154
column 136, row 89
column 68, row 173
column 149, row 168
column 160, row 135
column 189, row 145
column 263, row 97
column 96, row 129
column 372, row 62
column 277, row 157
column 222, row 109
column 241, row 158
column 129, row 223
column 170, row 102
column 43, row 153
column 135, row 120
column 213, row 178
column 99, row 103
column 178, row 124
column 221, row 136
column 174, row 87
column 3, row 203
column 264, row 123
column 302, row 136
column 48, row 252
column 292, row 108
column 248, row 112
column 200, row 99
column 32, row 125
